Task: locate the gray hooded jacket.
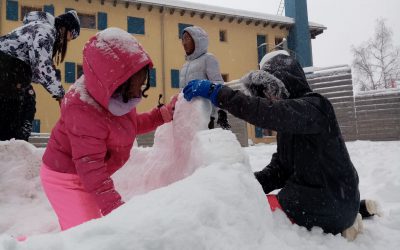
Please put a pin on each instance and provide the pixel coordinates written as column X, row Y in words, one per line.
column 199, row 64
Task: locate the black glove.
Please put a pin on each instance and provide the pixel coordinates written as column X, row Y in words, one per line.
column 211, row 123
column 223, row 119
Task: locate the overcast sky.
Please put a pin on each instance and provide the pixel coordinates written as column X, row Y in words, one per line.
column 349, row 22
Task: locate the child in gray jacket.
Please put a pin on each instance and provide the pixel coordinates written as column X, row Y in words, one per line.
column 201, row 65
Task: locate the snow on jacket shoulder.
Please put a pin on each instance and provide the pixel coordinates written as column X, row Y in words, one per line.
column 199, row 64
column 33, row 44
column 88, row 140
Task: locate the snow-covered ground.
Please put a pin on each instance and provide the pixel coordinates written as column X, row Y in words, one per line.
column 194, row 189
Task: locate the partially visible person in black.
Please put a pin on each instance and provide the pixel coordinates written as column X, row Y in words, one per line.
column 13, row 85
column 28, row 54
column 312, row 168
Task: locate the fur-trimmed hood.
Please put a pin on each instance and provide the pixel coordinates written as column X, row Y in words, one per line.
column 280, row 76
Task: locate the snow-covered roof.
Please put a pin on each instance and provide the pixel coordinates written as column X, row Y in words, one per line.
column 315, row 72
column 283, row 21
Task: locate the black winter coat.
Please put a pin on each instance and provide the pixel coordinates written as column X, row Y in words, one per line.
column 17, row 98
column 312, row 167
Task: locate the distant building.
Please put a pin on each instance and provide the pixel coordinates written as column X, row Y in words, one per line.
column 238, row 39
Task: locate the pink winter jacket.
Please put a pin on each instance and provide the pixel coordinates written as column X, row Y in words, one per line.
column 88, row 140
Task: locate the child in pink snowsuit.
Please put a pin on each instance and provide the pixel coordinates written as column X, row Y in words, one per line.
column 98, row 125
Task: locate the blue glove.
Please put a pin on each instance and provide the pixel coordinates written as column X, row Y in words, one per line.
column 203, row 88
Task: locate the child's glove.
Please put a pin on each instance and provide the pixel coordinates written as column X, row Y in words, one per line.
column 223, row 119
column 203, row 88
column 167, row 111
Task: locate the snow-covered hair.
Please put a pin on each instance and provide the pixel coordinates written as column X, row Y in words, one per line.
column 271, row 55
column 263, row 84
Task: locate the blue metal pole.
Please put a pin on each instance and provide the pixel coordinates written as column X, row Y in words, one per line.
column 299, row 39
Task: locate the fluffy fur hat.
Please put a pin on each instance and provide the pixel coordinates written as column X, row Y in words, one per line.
column 263, row 84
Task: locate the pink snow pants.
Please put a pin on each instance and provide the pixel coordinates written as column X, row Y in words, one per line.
column 72, row 204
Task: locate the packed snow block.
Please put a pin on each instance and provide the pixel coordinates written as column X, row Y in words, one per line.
column 180, row 147
column 169, row 158
column 216, row 146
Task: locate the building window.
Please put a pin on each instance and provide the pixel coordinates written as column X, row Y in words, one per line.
column 69, row 72
column 268, row 132
column 225, row 77
column 181, row 27
column 87, row 20
column 36, row 126
column 175, row 78
column 261, row 46
column 12, row 10
column 261, row 133
column 101, row 20
column 26, row 9
column 79, row 70
column 49, row 9
column 153, row 77
column 136, row 25
column 222, row 36
column 278, row 40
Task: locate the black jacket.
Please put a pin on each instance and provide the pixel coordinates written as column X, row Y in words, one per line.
column 17, row 98
column 312, row 167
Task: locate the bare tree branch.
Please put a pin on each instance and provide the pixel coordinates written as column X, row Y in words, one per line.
column 376, row 63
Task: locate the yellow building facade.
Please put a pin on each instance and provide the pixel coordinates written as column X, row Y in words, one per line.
column 237, row 38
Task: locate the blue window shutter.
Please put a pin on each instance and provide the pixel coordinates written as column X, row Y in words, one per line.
column 136, row 25
column 261, row 50
column 69, row 72
column 175, row 78
column 12, row 10
column 181, row 27
column 259, row 132
column 49, row 9
column 36, row 126
column 101, row 20
column 153, row 79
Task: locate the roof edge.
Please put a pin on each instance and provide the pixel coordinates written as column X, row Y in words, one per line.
column 275, row 20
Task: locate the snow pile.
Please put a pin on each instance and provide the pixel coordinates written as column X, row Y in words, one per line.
column 23, row 205
column 218, row 191
column 194, row 189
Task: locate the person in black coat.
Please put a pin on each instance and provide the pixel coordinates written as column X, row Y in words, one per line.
column 14, row 94
column 312, row 168
column 28, row 54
